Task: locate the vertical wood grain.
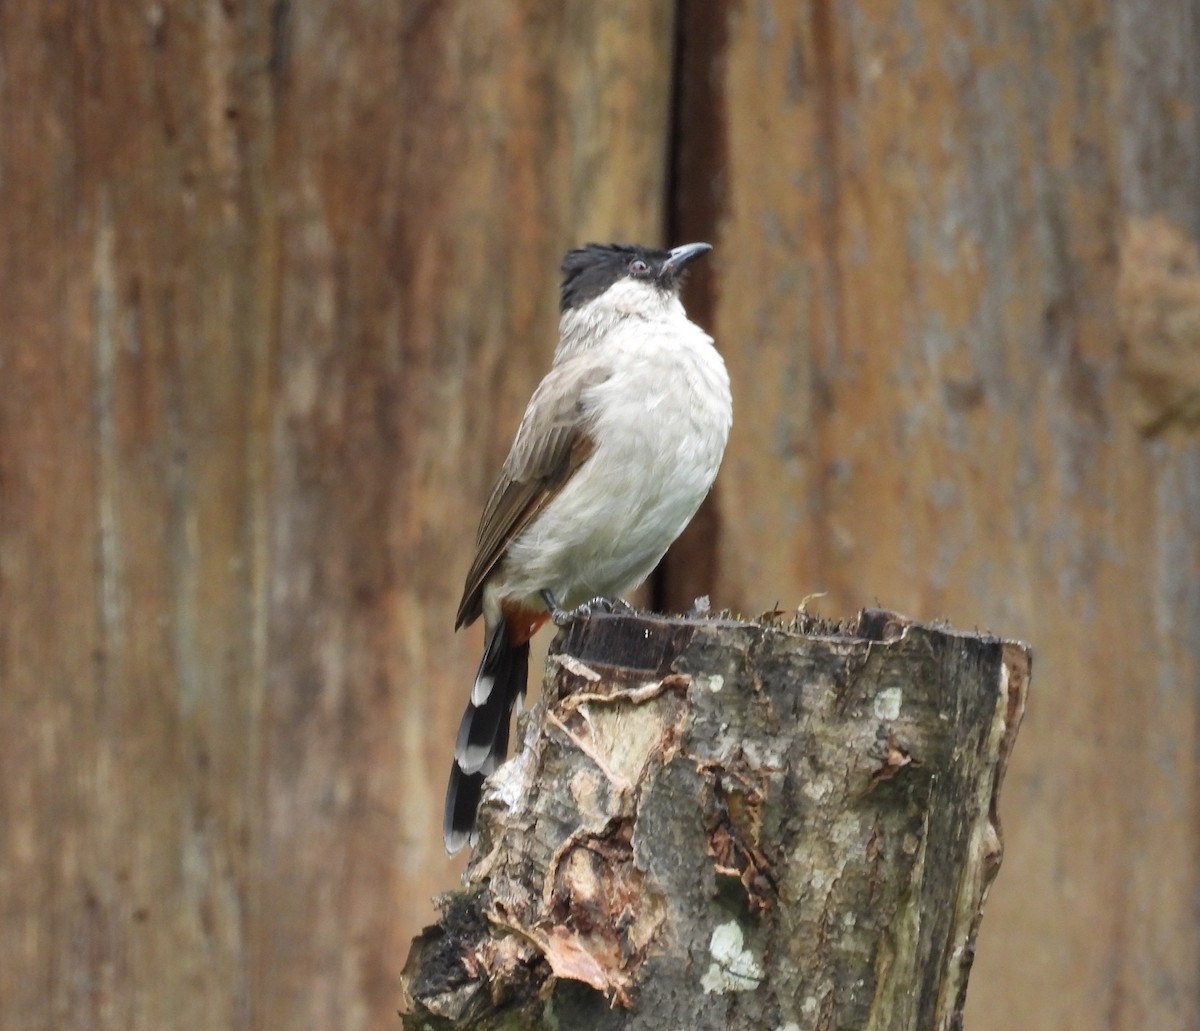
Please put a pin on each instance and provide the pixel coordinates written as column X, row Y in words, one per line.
column 279, row 279
column 914, row 283
column 135, row 350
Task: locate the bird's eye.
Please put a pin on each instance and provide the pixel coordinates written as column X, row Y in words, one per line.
column 638, row 267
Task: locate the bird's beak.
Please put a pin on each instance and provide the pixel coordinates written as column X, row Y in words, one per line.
column 683, row 256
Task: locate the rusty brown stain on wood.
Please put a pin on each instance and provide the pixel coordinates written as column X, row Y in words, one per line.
column 1159, row 306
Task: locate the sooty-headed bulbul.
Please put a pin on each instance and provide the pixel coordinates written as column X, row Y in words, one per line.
column 619, row 445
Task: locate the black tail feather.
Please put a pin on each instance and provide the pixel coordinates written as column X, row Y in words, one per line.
column 482, row 743
column 462, row 803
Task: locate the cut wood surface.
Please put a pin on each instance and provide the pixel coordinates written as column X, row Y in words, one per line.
column 719, row 824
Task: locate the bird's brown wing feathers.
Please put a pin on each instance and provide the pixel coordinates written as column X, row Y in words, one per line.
column 551, row 443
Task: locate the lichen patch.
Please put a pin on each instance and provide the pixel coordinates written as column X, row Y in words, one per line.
column 734, row 967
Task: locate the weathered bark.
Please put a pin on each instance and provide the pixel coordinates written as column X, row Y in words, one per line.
column 723, row 824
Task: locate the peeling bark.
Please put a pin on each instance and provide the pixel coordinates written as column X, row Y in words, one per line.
column 720, row 824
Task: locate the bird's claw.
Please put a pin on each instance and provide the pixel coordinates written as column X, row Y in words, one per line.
column 565, row 617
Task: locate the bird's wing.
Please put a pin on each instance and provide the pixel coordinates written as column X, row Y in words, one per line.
column 552, row 442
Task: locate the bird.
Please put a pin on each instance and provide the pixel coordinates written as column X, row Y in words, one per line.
column 619, row 445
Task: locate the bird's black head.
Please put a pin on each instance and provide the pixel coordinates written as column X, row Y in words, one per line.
column 588, row 271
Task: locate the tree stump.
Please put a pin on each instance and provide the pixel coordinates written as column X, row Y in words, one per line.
column 721, row 824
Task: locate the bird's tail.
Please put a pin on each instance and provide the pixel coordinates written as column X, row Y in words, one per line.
column 482, row 743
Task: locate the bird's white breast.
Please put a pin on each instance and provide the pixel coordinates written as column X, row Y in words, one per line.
column 660, row 424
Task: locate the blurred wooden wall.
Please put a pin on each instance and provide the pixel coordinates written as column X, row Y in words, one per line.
column 275, row 283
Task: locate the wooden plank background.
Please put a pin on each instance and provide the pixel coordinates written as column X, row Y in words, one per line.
column 277, row 282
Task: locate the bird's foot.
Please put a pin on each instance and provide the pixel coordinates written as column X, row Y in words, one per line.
column 565, row 617
column 620, row 605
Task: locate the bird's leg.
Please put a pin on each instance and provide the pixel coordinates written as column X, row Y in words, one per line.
column 564, row 617
column 559, row 617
